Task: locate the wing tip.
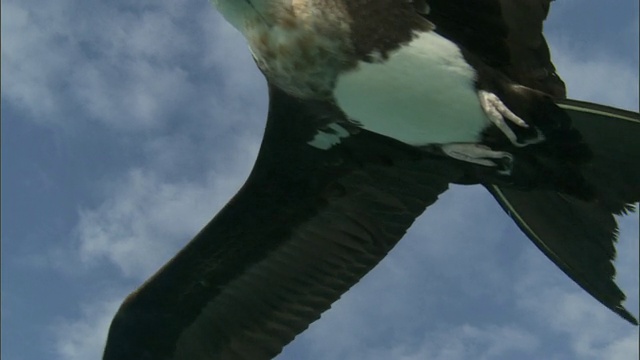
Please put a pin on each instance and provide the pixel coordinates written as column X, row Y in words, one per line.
column 625, row 314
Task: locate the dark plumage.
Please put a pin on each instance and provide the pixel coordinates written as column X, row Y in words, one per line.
column 310, row 222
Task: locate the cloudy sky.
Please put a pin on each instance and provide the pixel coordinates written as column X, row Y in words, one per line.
column 127, row 125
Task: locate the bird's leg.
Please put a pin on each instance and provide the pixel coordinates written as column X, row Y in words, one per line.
column 481, row 155
column 499, row 114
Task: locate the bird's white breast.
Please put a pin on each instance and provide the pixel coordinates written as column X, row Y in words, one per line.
column 422, row 94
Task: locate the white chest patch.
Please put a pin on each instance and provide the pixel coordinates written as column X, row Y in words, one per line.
column 422, row 94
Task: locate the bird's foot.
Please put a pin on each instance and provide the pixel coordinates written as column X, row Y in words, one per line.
column 499, row 114
column 481, row 155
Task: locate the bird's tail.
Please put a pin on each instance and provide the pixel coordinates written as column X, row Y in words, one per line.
column 578, row 235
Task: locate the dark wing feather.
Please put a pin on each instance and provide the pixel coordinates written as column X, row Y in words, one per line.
column 530, row 61
column 612, row 134
column 578, row 236
column 475, row 26
column 505, row 34
column 306, row 226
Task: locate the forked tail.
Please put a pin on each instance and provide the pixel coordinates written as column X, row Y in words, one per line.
column 579, row 236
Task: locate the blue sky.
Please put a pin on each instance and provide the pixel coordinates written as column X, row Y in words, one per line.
column 126, row 126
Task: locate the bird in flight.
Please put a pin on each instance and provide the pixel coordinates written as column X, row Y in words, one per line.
column 376, row 106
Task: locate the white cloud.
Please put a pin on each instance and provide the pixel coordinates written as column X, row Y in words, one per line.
column 597, row 77
column 624, row 348
column 136, row 95
column 466, row 342
column 457, row 343
column 122, row 67
column 144, row 220
column 563, row 308
column 147, row 219
column 84, row 338
column 73, row 61
column 22, row 59
column 593, row 70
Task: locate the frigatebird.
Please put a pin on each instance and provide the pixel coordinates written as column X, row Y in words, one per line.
column 376, row 106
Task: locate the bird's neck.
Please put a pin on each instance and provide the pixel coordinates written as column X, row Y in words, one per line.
column 300, row 45
column 244, row 14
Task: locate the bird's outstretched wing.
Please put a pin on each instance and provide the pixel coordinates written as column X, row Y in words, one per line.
column 310, row 223
column 504, row 34
column 307, row 225
column 579, row 236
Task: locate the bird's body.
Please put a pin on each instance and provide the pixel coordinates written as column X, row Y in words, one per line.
column 375, row 108
column 388, row 96
column 312, row 50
